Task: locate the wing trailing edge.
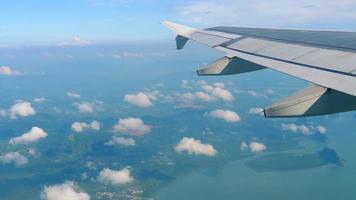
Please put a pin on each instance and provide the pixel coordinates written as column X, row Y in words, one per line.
column 228, row 66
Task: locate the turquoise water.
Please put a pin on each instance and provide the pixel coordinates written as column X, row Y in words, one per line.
column 236, row 181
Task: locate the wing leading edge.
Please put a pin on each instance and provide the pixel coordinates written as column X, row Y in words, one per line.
column 329, row 65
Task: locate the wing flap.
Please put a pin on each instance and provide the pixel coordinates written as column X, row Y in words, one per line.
column 311, row 101
column 344, row 82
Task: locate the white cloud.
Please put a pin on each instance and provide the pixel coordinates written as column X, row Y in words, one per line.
column 140, row 99
column 152, row 94
column 121, row 141
column 320, row 129
column 203, row 96
column 256, row 94
column 13, row 157
column 22, row 109
column 31, row 136
column 254, row 147
column 3, row 113
column 82, row 126
column 189, row 97
column 296, row 128
column 185, row 84
column 256, row 111
column 127, row 54
column 132, row 126
column 95, row 125
column 218, row 92
column 73, row 94
column 77, row 41
column 88, row 107
column 226, row 115
column 308, row 129
column 269, row 91
column 115, row 177
column 193, row 146
column 257, row 147
column 32, row 152
column 5, row 70
column 39, row 99
column 65, row 191
column 211, row 93
column 244, row 146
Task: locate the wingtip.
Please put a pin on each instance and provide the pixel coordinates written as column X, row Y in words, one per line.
column 169, row 24
column 165, row 22
column 178, row 28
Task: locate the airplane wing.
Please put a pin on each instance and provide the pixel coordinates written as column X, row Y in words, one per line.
column 325, row 58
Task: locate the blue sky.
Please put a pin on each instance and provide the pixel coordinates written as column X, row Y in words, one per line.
column 38, row 22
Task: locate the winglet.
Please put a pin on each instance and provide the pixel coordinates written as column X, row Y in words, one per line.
column 183, row 33
column 181, row 30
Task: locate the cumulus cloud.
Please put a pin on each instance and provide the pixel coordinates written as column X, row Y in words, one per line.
column 115, row 177
column 256, row 111
column 82, row 126
column 189, row 97
column 5, row 70
column 73, row 94
column 65, row 191
column 210, row 93
column 88, row 107
column 22, row 109
column 226, row 115
column 33, row 135
column 132, row 126
column 308, row 129
column 85, row 107
column 193, row 146
column 296, row 128
column 256, row 147
column 140, row 99
column 222, row 94
column 219, row 92
column 13, row 157
column 153, row 94
column 121, row 141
